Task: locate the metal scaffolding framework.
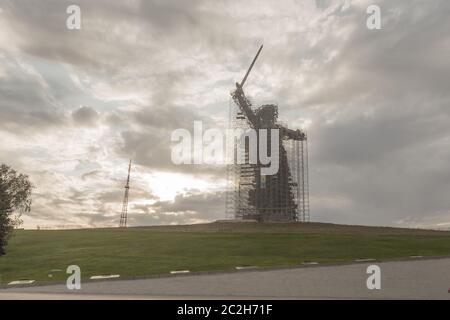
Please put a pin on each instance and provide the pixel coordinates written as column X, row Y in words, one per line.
column 283, row 196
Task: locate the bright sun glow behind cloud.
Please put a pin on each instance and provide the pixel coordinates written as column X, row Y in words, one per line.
column 166, row 185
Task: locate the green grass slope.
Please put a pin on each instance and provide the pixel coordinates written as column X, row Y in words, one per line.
column 145, row 251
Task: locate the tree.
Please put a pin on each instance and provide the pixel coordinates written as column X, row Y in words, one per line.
column 15, row 199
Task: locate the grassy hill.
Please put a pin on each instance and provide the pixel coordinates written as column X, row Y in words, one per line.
column 146, row 251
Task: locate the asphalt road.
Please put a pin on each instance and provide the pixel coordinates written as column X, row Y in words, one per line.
column 413, row 279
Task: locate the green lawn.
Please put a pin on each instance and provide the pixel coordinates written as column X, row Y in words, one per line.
column 138, row 252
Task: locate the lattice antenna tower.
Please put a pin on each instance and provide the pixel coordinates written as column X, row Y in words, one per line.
column 124, row 214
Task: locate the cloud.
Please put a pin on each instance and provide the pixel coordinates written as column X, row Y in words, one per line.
column 26, row 102
column 187, row 208
column 375, row 103
column 85, row 116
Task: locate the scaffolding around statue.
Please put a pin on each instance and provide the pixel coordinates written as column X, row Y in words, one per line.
column 283, row 196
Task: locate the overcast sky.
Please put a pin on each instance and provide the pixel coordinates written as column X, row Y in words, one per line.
column 75, row 105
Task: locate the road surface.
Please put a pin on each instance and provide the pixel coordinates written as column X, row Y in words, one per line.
column 412, row 279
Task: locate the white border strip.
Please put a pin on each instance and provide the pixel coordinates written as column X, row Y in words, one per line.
column 179, row 271
column 246, row 267
column 20, row 282
column 364, row 260
column 111, row 276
